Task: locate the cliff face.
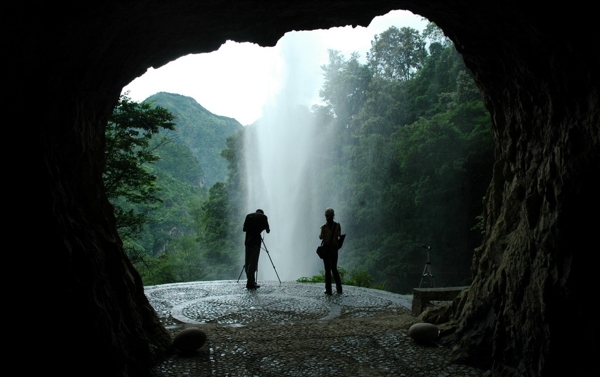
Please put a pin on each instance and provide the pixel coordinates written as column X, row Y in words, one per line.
column 538, row 70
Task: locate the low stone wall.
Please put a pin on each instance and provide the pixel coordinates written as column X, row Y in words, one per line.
column 422, row 297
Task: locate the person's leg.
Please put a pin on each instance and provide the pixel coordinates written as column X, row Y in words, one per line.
column 334, row 270
column 327, row 265
column 247, row 261
column 251, row 265
column 255, row 264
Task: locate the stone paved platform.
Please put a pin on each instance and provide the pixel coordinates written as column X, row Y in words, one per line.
column 229, row 302
column 294, row 329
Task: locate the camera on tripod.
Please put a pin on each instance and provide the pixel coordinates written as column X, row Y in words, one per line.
column 427, row 273
column 264, row 247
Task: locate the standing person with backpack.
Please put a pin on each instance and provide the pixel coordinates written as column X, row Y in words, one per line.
column 330, row 234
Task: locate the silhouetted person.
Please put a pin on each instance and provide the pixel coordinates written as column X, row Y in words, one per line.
column 254, row 224
column 330, row 234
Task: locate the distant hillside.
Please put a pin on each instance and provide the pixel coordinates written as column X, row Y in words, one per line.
column 203, row 132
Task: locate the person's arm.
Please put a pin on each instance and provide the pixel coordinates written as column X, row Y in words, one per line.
column 321, row 233
column 246, row 223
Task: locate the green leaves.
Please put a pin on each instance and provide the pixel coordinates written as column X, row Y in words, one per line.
column 202, row 132
column 128, row 177
column 418, row 160
column 357, row 277
column 345, row 86
column 397, row 54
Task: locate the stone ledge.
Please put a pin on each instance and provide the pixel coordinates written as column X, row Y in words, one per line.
column 422, row 297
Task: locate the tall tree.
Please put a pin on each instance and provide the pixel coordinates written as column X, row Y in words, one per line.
column 420, row 145
column 345, row 86
column 397, row 54
column 128, row 178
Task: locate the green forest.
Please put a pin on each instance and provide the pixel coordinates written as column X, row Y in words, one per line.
column 409, row 156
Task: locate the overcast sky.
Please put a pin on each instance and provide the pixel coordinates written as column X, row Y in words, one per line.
column 239, row 79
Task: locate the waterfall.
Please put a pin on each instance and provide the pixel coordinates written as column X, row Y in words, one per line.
column 281, row 152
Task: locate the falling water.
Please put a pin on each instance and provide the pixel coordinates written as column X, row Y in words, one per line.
column 281, row 175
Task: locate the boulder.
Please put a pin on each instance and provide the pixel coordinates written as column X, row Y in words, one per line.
column 189, row 340
column 423, row 332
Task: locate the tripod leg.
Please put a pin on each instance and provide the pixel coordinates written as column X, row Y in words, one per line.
column 423, row 275
column 430, row 273
column 243, row 268
column 272, row 264
column 274, row 269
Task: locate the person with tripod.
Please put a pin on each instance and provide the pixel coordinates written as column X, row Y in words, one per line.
column 254, row 224
column 330, row 234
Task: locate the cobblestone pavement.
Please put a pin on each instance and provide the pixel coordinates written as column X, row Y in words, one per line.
column 293, row 329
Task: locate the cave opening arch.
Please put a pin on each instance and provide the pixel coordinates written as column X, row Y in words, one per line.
column 540, row 84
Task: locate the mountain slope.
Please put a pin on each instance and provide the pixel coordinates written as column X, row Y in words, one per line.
column 203, row 132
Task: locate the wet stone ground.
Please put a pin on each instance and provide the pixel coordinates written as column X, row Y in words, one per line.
column 293, row 329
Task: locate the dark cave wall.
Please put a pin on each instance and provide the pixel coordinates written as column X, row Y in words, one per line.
column 530, row 283
column 527, row 305
column 539, row 75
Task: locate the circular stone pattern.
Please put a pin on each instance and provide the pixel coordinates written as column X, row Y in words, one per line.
column 177, row 294
column 232, row 309
column 363, row 302
column 189, row 340
column 162, row 299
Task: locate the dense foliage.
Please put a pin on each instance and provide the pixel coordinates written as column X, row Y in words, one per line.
column 203, row 132
column 409, row 158
column 128, row 179
column 157, row 186
column 414, row 153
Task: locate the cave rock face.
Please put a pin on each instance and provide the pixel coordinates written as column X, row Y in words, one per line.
column 537, row 68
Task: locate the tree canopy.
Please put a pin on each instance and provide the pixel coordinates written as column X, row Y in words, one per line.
column 130, row 149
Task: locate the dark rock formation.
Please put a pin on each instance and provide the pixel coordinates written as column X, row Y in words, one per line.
column 189, row 340
column 65, row 65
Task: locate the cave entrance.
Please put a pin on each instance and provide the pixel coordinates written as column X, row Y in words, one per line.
column 394, row 115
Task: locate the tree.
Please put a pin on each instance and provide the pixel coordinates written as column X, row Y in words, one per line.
column 435, row 35
column 397, row 54
column 345, row 86
column 130, row 149
column 416, row 161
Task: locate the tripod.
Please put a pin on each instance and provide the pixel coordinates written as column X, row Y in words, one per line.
column 427, row 270
column 264, row 247
column 274, row 269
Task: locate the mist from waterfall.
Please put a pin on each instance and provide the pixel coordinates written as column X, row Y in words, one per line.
column 281, row 154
